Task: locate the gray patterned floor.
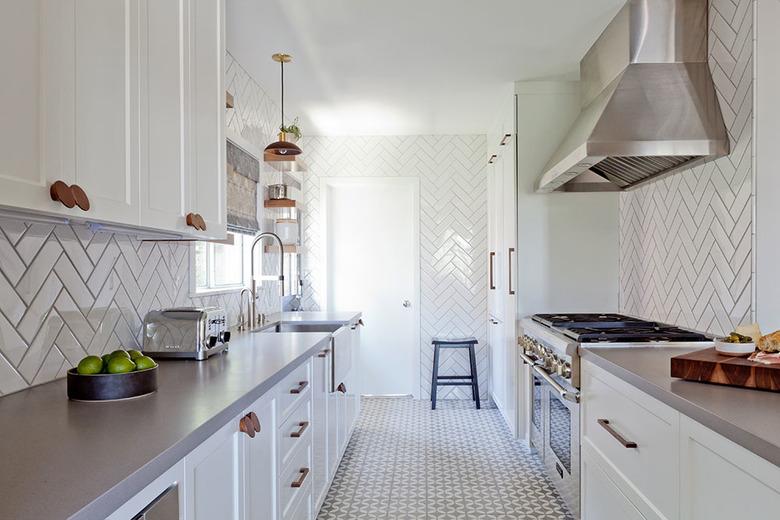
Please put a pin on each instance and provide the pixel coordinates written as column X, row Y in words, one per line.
column 407, row 461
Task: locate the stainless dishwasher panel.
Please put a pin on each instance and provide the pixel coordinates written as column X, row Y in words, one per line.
column 164, row 507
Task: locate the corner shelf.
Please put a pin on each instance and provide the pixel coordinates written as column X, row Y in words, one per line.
column 279, row 203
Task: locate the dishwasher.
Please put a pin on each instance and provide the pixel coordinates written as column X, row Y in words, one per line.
column 164, row 507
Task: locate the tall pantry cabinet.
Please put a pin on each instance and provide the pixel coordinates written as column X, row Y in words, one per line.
column 502, row 261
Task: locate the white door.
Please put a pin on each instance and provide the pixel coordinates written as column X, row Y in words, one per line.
column 372, row 265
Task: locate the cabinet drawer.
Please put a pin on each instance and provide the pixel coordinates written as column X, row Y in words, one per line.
column 602, row 498
column 302, row 505
column 295, row 431
column 295, row 479
column 292, row 390
column 615, row 414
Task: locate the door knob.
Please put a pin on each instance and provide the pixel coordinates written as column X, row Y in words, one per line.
column 407, row 303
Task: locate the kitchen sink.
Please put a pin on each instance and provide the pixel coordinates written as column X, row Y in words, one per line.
column 285, row 326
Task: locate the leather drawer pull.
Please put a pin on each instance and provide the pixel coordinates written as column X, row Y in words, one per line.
column 342, row 388
column 324, row 353
column 245, row 426
column 255, row 421
column 196, row 221
column 301, row 386
column 302, row 428
column 304, row 473
column 626, row 444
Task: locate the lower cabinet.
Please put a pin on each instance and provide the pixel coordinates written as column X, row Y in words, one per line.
column 275, row 461
column 212, row 476
column 642, row 459
column 259, row 463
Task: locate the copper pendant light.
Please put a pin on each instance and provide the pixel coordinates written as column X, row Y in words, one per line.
column 282, row 147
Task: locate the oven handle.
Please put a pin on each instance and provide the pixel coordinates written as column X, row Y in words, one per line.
column 574, row 397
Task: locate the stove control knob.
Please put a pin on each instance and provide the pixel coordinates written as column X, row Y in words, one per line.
column 565, row 371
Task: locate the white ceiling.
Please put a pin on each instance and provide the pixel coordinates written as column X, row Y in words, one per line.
column 405, row 67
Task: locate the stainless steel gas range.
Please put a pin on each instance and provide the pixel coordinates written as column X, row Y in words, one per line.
column 550, row 348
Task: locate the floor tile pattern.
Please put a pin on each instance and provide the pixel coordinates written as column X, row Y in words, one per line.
column 453, row 233
column 408, row 461
column 686, row 241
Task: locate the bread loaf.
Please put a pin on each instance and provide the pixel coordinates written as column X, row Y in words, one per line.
column 770, row 342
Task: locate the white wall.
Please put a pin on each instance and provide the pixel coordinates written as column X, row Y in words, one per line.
column 567, row 242
column 453, row 231
column 767, row 164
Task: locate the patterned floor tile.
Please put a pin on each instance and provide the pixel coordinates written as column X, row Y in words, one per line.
column 406, row 461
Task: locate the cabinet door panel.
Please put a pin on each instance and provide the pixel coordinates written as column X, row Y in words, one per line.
column 207, row 121
column 163, row 167
column 212, row 477
column 721, row 480
column 320, row 392
column 260, row 464
column 106, row 42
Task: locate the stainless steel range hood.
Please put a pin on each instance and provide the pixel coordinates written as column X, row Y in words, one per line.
column 649, row 103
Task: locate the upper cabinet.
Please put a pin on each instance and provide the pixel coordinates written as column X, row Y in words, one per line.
column 121, row 98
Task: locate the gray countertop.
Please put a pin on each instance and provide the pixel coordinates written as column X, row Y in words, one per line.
column 748, row 417
column 63, row 459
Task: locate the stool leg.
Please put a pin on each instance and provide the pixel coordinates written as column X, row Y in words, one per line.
column 474, row 383
column 435, row 377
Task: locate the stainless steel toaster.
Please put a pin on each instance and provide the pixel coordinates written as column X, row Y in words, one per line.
column 186, row 332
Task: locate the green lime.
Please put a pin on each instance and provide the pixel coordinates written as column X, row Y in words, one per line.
column 144, row 362
column 90, row 365
column 120, row 365
column 135, row 354
column 122, row 353
column 106, row 358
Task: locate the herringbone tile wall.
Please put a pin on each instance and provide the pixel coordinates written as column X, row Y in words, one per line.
column 686, row 241
column 66, row 292
column 453, row 231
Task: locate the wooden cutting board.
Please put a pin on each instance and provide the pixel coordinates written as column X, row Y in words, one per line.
column 707, row 366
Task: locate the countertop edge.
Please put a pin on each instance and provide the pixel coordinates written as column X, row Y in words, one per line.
column 123, row 491
column 729, row 430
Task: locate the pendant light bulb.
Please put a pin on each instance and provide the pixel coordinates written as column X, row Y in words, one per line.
column 282, row 147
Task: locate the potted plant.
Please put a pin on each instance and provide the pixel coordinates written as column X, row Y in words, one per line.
column 292, row 129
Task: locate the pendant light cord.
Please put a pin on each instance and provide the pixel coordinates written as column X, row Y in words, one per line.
column 281, row 62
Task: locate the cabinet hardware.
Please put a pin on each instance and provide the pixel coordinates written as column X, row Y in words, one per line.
column 573, row 397
column 82, row 201
column 626, row 444
column 299, row 482
column 505, row 139
column 342, row 388
column 492, row 159
column 255, row 421
column 61, row 192
column 491, row 256
column 324, row 353
column 301, row 428
column 509, row 262
column 196, row 221
column 245, row 426
column 229, row 102
column 301, row 386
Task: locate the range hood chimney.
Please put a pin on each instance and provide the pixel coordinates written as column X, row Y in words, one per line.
column 649, row 103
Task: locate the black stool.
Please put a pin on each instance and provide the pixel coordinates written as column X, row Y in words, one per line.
column 469, row 380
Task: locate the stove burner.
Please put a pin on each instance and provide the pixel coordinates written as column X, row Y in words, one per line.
column 666, row 333
column 601, row 321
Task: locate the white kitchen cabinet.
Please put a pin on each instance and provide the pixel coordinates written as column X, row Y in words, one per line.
column 124, row 98
column 320, row 420
column 68, row 102
column 502, row 275
column 679, row 468
column 174, row 477
column 213, row 477
column 721, row 480
column 258, row 457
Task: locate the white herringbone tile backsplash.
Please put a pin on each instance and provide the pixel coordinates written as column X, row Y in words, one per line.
column 66, row 292
column 453, row 231
column 686, row 241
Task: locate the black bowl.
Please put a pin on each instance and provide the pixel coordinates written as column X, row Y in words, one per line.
column 104, row 387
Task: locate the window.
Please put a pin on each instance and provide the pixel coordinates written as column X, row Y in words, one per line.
column 222, row 266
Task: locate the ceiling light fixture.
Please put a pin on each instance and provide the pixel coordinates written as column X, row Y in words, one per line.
column 282, row 147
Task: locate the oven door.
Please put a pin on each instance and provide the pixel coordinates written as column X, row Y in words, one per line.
column 538, row 411
column 562, row 439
